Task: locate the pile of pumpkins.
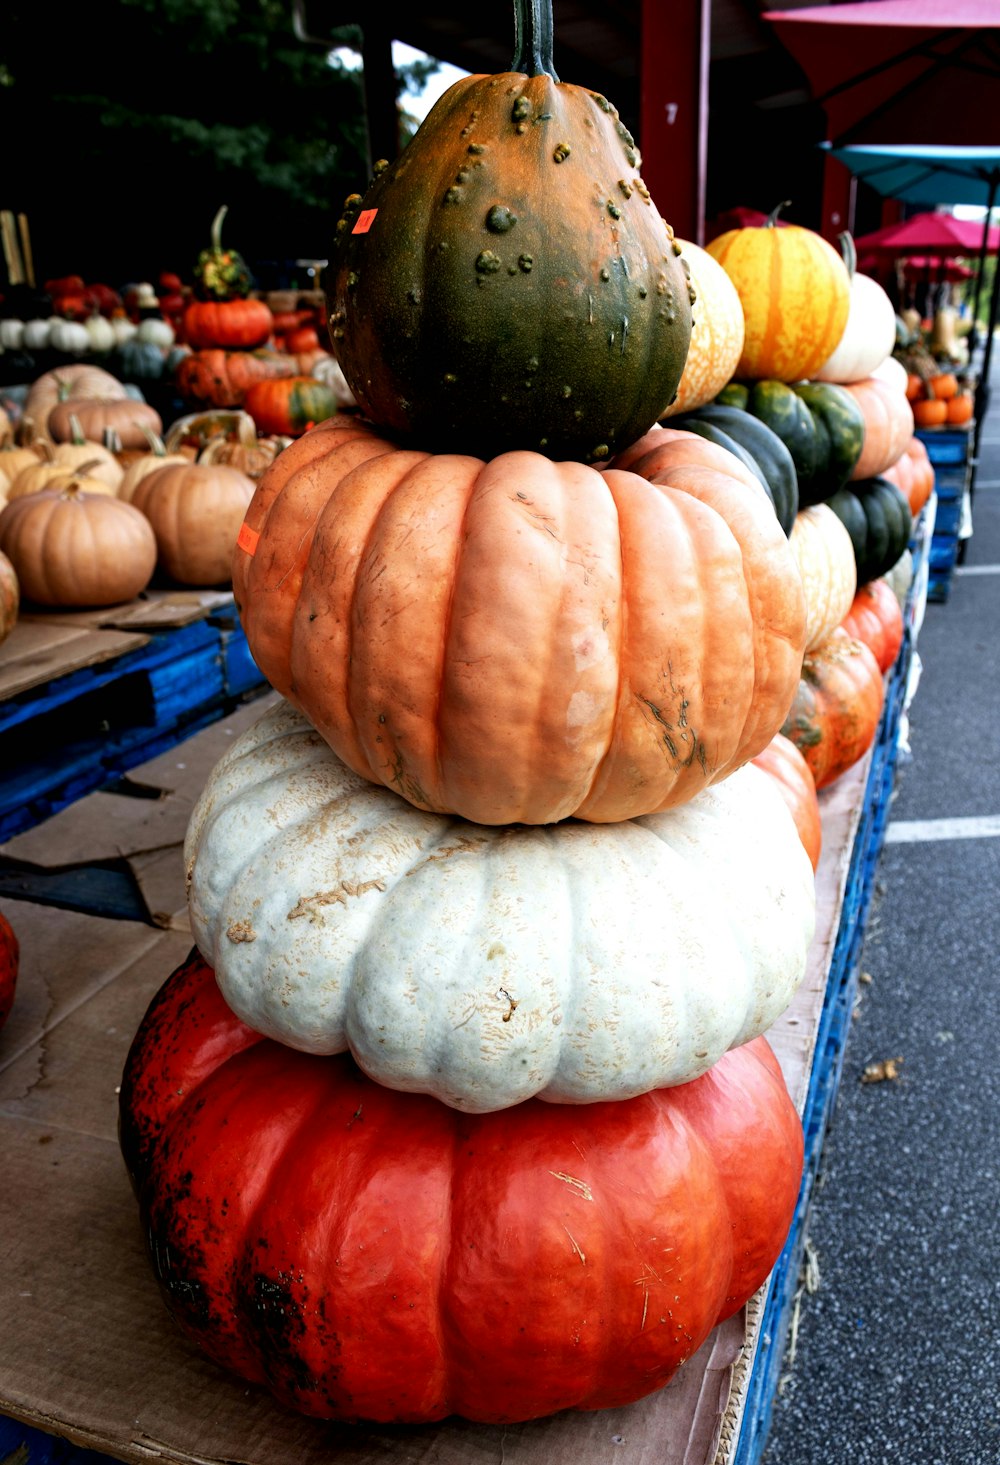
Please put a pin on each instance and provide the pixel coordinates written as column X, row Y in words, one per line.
column 463, row 1103
column 95, row 500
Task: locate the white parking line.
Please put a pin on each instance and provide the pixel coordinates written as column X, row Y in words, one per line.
column 977, row 570
column 922, row 831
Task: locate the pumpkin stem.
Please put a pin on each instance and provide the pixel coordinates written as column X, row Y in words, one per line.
column 772, row 218
column 217, row 228
column 156, row 444
column 848, row 251
column 77, row 435
column 533, row 38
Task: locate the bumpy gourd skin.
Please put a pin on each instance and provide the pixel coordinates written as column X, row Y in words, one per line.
column 508, row 282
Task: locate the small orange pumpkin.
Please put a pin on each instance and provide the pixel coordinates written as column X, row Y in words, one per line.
column 289, row 406
column 195, row 510
column 960, row 409
column 71, row 548
column 95, row 416
column 930, row 412
column 875, row 617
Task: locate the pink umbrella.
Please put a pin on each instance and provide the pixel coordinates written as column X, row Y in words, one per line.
column 938, row 235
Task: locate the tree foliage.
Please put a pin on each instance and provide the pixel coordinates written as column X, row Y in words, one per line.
column 128, row 124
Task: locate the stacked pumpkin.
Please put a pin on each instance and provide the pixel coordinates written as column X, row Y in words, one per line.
column 462, row 1103
column 818, row 406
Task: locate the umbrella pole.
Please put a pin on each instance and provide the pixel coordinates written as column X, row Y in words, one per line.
column 984, row 250
column 983, row 385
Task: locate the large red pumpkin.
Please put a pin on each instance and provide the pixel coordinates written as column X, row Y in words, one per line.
column 10, row 955
column 367, row 1254
column 518, row 641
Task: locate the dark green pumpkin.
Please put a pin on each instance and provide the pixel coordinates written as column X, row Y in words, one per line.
column 508, row 282
column 876, row 514
column 764, row 447
column 819, row 422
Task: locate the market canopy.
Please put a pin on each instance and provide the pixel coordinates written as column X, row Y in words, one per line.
column 923, row 172
column 917, row 71
column 937, row 235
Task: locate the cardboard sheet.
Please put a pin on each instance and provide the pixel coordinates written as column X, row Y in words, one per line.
column 90, row 1352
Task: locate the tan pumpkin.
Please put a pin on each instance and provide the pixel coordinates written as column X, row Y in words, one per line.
column 717, row 332
column 889, row 425
column 828, row 568
column 521, row 640
column 12, row 460
column 156, row 457
column 95, row 416
column 10, row 597
column 65, row 383
column 58, row 475
column 195, row 510
column 795, row 292
column 71, row 548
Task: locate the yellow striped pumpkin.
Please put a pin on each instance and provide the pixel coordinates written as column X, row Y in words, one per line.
column 796, row 296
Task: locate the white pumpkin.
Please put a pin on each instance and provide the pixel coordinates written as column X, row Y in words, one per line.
column 11, row 334
column 487, row 964
column 828, row 567
column 156, row 330
column 100, row 332
column 718, row 330
column 35, row 336
column 69, row 336
column 870, row 332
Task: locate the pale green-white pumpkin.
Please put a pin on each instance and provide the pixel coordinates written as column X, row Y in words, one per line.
column 487, row 964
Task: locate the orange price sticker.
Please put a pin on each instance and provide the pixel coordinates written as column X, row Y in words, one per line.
column 365, row 220
column 247, row 538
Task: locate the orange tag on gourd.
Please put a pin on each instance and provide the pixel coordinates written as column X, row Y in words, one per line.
column 365, row 220
column 248, row 538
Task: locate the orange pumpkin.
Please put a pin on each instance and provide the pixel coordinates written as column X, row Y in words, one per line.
column 71, row 548
column 889, row 419
column 717, row 332
column 960, row 409
column 520, row 640
column 195, row 510
column 794, row 780
column 289, row 406
column 796, row 293
column 229, row 324
column 943, row 384
column 876, row 619
column 94, row 417
column 913, row 473
column 835, row 713
column 219, row 378
column 10, row 597
column 65, row 383
column 930, row 412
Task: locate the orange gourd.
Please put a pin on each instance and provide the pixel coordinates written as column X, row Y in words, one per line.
column 875, row 617
column 794, row 780
column 520, row 640
column 796, row 295
column 889, row 419
column 835, row 713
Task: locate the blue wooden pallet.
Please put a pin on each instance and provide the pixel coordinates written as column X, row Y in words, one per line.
column 828, row 1058
column 948, row 451
column 80, row 731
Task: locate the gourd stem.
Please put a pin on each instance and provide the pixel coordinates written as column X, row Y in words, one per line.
column 217, row 228
column 533, row 33
column 848, row 252
column 772, row 218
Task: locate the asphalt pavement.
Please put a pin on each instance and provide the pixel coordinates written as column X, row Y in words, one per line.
column 894, row 1348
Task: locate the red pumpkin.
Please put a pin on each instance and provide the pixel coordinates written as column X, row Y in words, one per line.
column 10, row 954
column 834, row 717
column 369, row 1254
column 521, row 640
column 230, row 324
column 795, row 782
column 876, row 619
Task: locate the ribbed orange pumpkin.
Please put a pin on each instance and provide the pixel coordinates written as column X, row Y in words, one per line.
column 793, row 776
column 913, row 472
column 835, row 714
column 230, row 324
column 10, row 597
column 77, row 549
column 889, row 423
column 876, row 619
column 717, row 332
column 796, row 296
column 828, row 568
column 520, row 640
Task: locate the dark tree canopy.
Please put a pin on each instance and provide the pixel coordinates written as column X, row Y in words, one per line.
column 129, row 125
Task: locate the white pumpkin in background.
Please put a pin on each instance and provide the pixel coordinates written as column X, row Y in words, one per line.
column 157, row 331
column 486, row 964
column 36, row 333
column 70, row 337
column 718, row 328
column 870, row 333
column 101, row 333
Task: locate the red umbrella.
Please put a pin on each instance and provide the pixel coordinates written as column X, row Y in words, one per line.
column 913, row 71
column 949, row 270
column 939, row 235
